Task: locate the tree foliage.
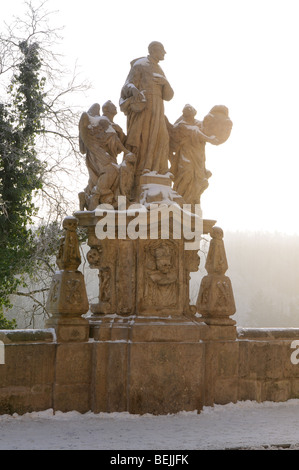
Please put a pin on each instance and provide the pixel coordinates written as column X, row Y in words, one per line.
column 21, row 171
column 6, row 324
column 38, row 150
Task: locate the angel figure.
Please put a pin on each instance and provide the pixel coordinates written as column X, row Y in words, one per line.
column 99, row 140
column 188, row 137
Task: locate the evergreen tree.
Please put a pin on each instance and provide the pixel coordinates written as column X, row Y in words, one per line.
column 20, row 169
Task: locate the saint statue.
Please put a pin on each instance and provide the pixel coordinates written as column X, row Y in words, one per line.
column 142, row 101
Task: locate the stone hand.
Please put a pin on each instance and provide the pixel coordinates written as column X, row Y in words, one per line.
column 160, row 80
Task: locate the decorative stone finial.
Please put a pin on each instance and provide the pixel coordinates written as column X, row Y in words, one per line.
column 215, row 299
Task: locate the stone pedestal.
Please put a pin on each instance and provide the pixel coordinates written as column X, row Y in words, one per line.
column 147, row 365
column 141, row 274
column 149, row 343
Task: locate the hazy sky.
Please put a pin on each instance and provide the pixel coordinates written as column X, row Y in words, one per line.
column 240, row 53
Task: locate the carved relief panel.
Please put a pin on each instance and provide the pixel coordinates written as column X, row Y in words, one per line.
column 160, row 278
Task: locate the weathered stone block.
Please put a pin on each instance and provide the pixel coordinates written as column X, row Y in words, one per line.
column 222, row 358
column 262, row 359
column 168, row 330
column 225, row 390
column 22, row 399
column 217, row 332
column 110, row 377
column 70, row 329
column 72, row 388
column 249, row 390
column 72, row 397
column 278, row 390
column 28, row 364
column 221, row 371
column 73, row 363
column 166, row 377
column 295, row 388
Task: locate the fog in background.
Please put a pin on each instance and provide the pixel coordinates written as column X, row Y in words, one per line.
column 264, row 270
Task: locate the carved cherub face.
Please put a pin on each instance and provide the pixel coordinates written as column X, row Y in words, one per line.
column 162, row 257
column 104, row 124
column 164, row 264
column 93, row 256
column 101, row 128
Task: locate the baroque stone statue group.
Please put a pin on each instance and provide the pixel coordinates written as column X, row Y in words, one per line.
column 151, row 145
column 162, row 163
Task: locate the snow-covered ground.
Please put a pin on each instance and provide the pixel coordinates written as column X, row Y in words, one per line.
column 241, row 425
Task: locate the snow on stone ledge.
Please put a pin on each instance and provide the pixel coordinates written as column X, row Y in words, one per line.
column 267, row 333
column 47, row 335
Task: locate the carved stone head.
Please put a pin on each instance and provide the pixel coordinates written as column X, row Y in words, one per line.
column 163, row 258
column 109, row 109
column 156, row 50
column 189, row 111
